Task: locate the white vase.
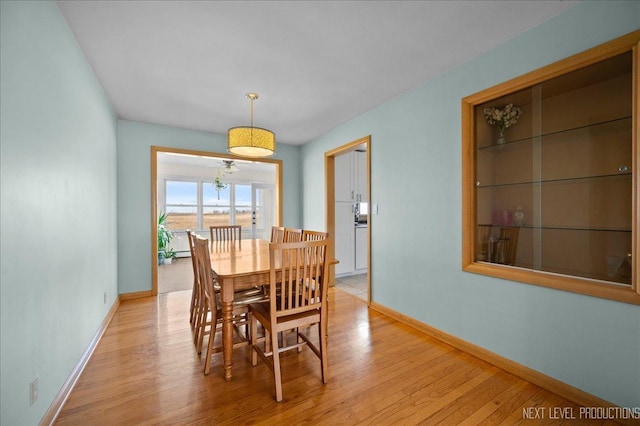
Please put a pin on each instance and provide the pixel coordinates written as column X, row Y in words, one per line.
column 518, row 216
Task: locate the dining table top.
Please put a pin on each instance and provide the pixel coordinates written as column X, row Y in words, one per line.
column 240, row 257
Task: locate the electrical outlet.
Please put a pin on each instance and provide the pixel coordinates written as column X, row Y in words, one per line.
column 105, row 297
column 33, row 388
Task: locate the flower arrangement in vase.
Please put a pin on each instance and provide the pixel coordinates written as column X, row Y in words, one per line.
column 503, row 118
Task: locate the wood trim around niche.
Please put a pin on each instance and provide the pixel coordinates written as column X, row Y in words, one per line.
column 586, row 286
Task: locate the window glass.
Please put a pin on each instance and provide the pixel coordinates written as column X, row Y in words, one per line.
column 243, row 205
column 181, row 204
column 216, row 205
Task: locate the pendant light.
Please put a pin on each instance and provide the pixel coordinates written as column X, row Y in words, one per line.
column 249, row 141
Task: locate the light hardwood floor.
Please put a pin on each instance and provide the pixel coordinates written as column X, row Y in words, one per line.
column 146, row 371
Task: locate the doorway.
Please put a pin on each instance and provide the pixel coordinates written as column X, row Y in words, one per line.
column 348, row 189
column 195, row 190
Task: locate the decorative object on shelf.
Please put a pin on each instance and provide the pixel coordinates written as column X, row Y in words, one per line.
column 502, row 117
column 502, row 217
column 250, row 141
column 518, row 216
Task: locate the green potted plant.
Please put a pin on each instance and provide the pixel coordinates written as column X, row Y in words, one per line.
column 165, row 252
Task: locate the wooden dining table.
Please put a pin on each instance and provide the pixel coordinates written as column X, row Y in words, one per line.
column 237, row 265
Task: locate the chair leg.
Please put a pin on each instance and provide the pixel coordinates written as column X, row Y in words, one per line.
column 192, row 308
column 212, row 335
column 201, row 317
column 195, row 302
column 198, row 323
column 322, row 327
column 203, row 328
column 277, row 378
column 254, row 340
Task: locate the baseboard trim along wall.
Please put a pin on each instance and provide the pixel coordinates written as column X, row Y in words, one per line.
column 569, row 392
column 64, row 392
column 137, row 295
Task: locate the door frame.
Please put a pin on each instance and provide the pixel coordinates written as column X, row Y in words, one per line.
column 154, row 196
column 329, row 184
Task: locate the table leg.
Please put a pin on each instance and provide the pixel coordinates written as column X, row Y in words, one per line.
column 227, row 338
column 227, row 328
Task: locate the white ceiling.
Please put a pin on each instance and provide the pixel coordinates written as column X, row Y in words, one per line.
column 315, row 64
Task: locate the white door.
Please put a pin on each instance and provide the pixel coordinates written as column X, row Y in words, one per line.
column 263, row 206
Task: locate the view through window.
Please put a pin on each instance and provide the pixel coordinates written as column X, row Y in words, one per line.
column 199, row 205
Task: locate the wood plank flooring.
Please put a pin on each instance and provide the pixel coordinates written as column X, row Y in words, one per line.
column 146, row 371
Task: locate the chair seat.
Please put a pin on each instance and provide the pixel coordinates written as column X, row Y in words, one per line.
column 239, row 293
column 244, row 299
column 262, row 311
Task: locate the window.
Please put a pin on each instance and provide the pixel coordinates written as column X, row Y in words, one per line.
column 199, row 205
column 181, row 204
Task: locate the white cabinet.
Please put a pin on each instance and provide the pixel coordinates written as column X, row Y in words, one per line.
column 361, row 247
column 360, row 186
column 351, row 177
column 344, row 237
column 344, row 178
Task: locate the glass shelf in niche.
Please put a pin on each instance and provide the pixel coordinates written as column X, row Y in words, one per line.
column 622, row 174
column 561, row 228
column 603, row 128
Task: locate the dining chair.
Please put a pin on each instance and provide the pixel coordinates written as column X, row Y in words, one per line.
column 300, row 270
column 482, row 242
column 292, row 235
column 511, row 237
column 226, row 232
column 314, row 235
column 198, row 309
column 277, row 234
column 211, row 318
column 195, row 293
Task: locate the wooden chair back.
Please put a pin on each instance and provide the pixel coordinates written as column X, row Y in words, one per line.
column 482, row 242
column 314, row 235
column 277, row 234
column 292, row 235
column 298, row 277
column 190, row 238
column 511, row 236
column 226, row 233
column 209, row 302
column 203, row 266
column 195, row 293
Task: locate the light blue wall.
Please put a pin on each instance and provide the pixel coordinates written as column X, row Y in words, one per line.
column 134, row 192
column 590, row 343
column 58, row 206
